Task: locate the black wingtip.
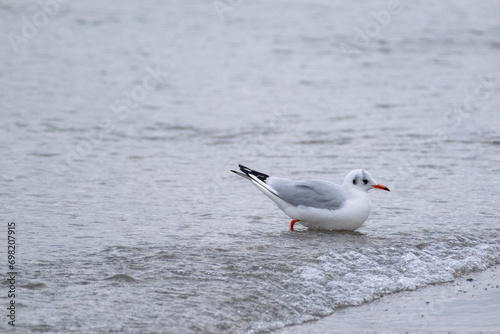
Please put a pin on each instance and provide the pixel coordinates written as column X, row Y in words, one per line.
column 261, row 176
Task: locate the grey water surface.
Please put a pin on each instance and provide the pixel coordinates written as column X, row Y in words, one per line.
column 120, row 123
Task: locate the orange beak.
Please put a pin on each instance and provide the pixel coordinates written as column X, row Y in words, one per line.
column 379, row 186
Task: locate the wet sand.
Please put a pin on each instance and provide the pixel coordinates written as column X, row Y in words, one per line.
column 469, row 304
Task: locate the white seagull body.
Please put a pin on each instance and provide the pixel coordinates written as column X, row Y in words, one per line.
column 317, row 204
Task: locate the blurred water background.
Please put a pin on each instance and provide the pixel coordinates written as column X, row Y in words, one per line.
column 120, row 122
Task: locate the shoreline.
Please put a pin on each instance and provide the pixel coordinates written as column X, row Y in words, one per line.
column 468, row 304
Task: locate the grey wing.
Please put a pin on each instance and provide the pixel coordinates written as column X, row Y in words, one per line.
column 316, row 194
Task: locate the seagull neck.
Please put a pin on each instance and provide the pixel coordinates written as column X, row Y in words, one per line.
column 353, row 191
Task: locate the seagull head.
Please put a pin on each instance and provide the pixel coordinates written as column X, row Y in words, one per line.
column 362, row 180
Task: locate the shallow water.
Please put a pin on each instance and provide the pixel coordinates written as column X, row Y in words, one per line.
column 466, row 305
column 120, row 125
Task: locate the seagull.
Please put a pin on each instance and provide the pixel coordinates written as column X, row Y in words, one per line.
column 318, row 204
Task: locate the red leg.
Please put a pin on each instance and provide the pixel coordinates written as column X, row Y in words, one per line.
column 293, row 223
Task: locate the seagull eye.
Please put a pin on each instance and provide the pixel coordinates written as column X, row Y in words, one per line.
column 365, row 181
column 354, row 181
